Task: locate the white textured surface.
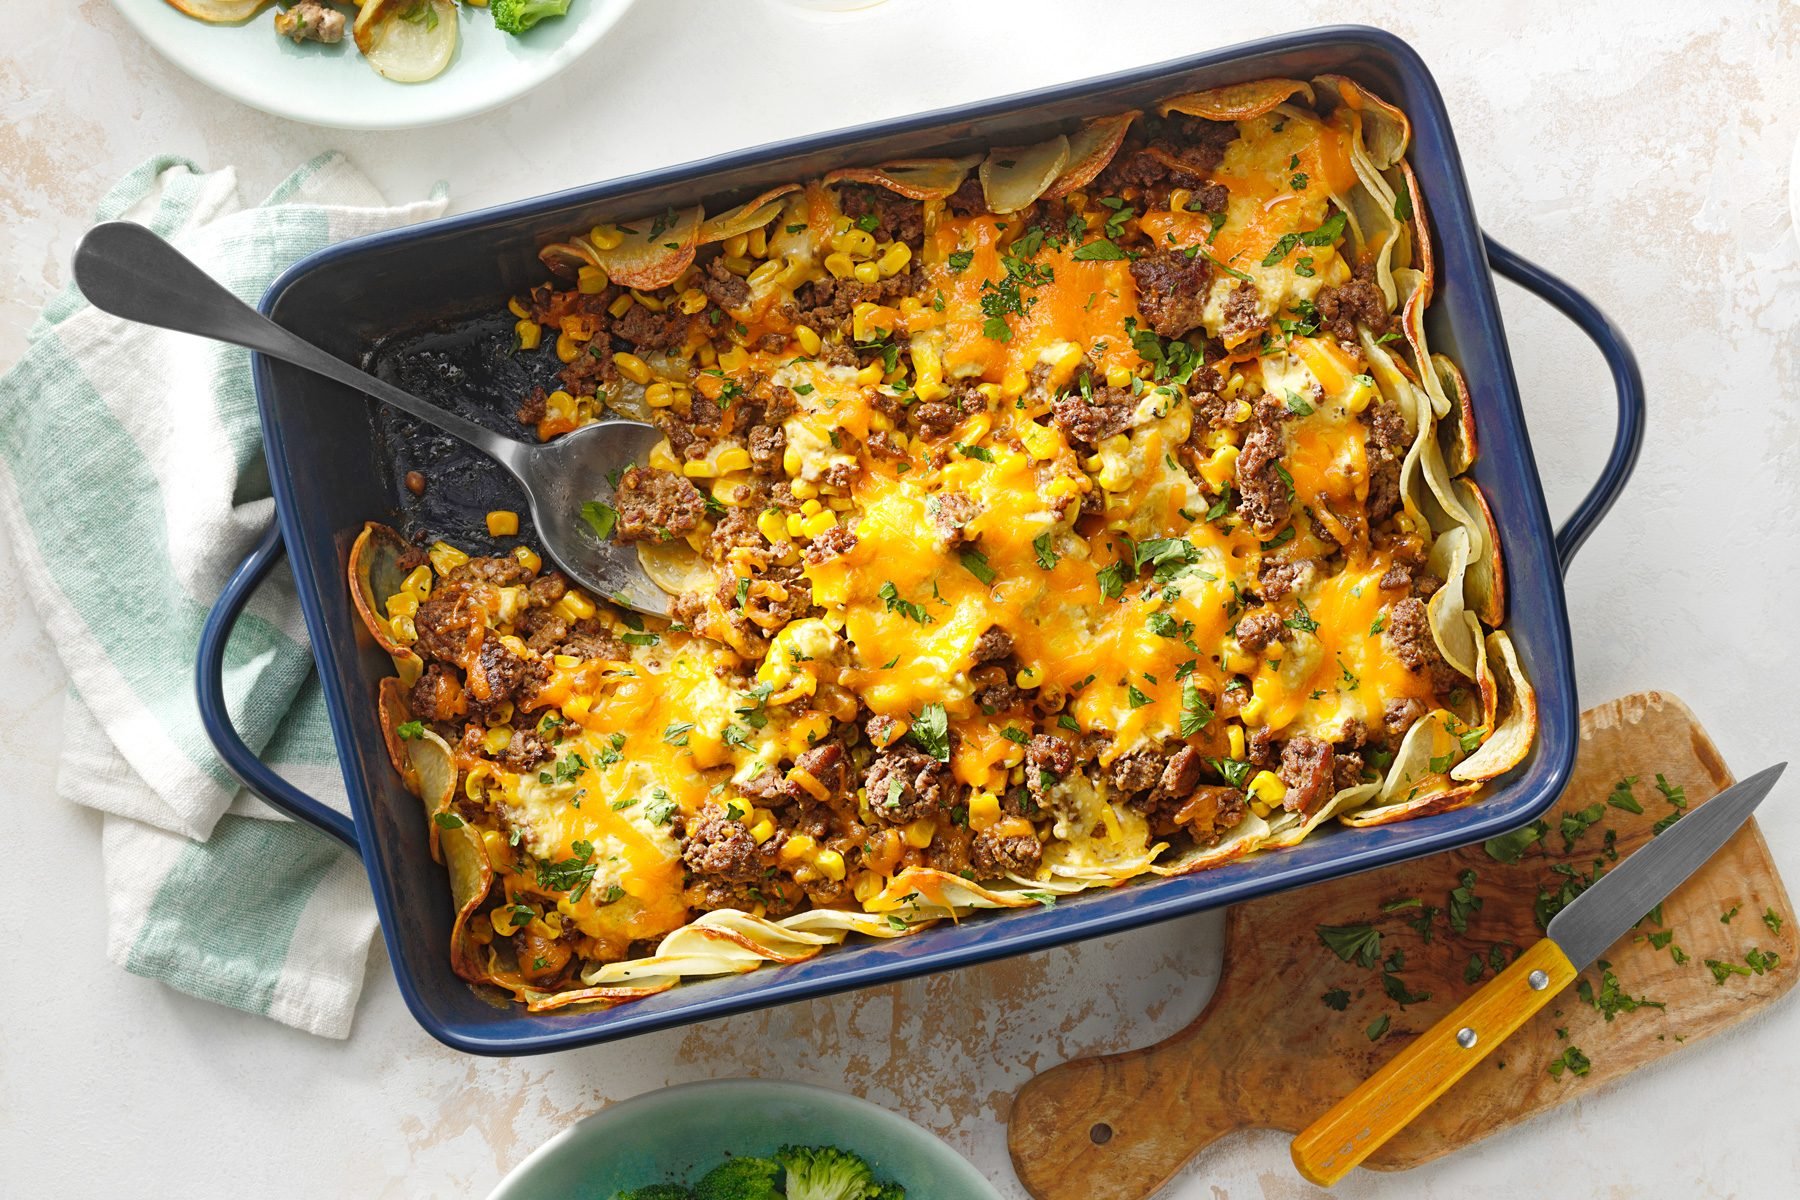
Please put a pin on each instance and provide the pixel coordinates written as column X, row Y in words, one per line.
column 1643, row 155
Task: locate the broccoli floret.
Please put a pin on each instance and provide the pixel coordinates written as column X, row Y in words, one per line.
column 826, row 1173
column 657, row 1191
column 740, row 1179
column 887, row 1191
column 516, row 16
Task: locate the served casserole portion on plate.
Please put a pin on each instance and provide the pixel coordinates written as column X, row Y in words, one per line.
column 1039, row 520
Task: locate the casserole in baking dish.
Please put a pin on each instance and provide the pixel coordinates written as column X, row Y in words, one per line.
column 327, row 453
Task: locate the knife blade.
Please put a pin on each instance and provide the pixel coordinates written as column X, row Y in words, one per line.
column 1602, row 914
column 1388, row 1100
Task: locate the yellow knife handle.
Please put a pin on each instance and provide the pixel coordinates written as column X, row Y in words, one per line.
column 1389, row 1099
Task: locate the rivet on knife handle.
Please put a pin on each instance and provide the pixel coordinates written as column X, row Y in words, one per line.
column 1389, row 1099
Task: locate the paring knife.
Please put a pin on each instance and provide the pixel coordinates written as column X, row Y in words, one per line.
column 1384, row 1104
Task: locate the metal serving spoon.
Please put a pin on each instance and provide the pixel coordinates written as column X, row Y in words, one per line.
column 128, row 271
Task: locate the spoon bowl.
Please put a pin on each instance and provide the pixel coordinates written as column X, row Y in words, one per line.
column 128, row 271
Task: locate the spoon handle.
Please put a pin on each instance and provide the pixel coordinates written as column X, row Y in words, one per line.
column 128, row 271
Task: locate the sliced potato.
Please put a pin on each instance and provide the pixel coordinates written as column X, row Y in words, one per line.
column 1014, row 176
column 408, row 41
column 219, row 12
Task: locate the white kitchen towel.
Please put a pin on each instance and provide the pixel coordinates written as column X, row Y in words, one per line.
column 131, row 484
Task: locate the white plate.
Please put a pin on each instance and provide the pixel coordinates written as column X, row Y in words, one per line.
column 332, row 85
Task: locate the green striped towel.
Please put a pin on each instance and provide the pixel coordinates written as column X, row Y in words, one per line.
column 131, row 483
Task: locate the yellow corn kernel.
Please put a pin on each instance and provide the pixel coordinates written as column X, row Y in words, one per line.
column 860, row 315
column 662, row 458
column 1240, row 412
column 757, row 245
column 418, row 583
column 1253, row 710
column 918, row 835
column 790, row 460
column 445, row 557
column 1029, row 678
column 990, row 392
column 517, row 308
column 502, row 523
column 1040, row 442
column 497, row 739
column 765, row 274
column 840, row 503
column 797, row 848
column 984, row 810
column 529, row 333
column 1234, row 740
column 653, row 303
column 840, row 265
column 737, row 245
column 733, row 359
column 621, row 306
column 404, row 629
column 804, row 489
column 528, row 558
column 1361, row 394
column 893, row 260
column 868, row 885
column 577, row 707
column 659, row 395
column 591, row 281
column 865, row 272
column 733, row 458
column 691, row 301
column 762, row 831
column 1237, row 662
column 818, row 523
column 810, row 507
column 606, row 237
column 1178, row 199
column 699, row 468
column 502, row 920
column 737, row 265
column 575, row 606
column 632, row 367
column 567, row 348
column 809, row 781
column 869, row 376
column 567, row 662
column 1220, row 467
column 793, row 524
column 1267, row 787
column 771, row 525
column 809, row 341
column 830, row 864
column 1118, row 377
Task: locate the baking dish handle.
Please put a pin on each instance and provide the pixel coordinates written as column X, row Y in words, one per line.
column 240, row 760
column 1626, row 380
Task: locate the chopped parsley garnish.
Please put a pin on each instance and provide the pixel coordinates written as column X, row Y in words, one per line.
column 600, row 518
column 661, row 809
column 1297, row 405
column 447, row 820
column 1359, row 944
column 890, row 595
column 1676, row 795
column 1574, row 824
column 1403, row 209
column 976, row 564
column 1464, row 903
column 959, row 260
column 1571, row 1060
column 868, row 222
column 571, row 875
column 1046, row 557
column 1196, row 713
column 978, row 453
column 1772, row 919
column 1135, row 698
column 1509, row 848
column 1377, row 1027
column 1337, row 999
column 1098, row 250
column 931, row 730
column 1112, row 580
column 1611, row 1000
column 676, row 734
column 1234, row 771
column 1302, row 619
column 1325, row 235
column 409, row 730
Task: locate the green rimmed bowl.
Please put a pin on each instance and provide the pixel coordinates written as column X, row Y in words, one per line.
column 677, row 1134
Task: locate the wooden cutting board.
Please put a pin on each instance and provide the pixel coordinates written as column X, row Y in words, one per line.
column 1269, row 1051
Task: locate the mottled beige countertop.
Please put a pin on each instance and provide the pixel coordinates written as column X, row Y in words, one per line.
column 1640, row 150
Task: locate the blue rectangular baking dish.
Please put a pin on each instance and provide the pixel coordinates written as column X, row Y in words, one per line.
column 331, row 468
